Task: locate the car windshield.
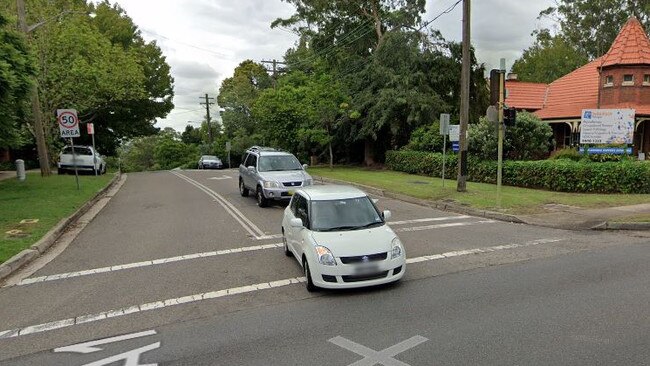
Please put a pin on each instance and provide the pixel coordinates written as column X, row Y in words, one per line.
column 344, row 214
column 278, row 163
column 78, row 150
column 210, row 157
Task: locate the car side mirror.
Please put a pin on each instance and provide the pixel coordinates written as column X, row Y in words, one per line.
column 387, row 215
column 305, row 166
column 297, row 223
column 251, row 169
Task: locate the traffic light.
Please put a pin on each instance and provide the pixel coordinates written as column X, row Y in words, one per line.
column 495, row 86
column 509, row 116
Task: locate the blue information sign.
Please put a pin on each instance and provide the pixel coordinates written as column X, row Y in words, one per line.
column 455, row 146
column 606, row 150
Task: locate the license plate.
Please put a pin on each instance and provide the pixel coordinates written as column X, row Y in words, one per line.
column 367, row 269
column 290, row 193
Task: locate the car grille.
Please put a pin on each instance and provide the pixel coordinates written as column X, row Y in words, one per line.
column 292, row 184
column 359, row 259
column 368, row 277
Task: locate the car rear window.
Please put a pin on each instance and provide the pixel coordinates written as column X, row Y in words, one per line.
column 78, row 150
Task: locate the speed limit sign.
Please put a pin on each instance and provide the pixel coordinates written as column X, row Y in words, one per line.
column 68, row 122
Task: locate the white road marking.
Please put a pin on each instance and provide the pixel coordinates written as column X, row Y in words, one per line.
column 12, row 333
column 154, row 262
column 130, row 358
column 383, row 357
column 430, row 219
column 440, row 226
column 221, row 177
column 90, row 347
column 247, row 224
column 459, row 253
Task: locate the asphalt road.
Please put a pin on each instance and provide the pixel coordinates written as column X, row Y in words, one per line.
column 179, row 269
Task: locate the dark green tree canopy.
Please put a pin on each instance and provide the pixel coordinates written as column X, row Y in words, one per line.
column 548, row 59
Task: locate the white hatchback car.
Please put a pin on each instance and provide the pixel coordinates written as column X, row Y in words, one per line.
column 340, row 238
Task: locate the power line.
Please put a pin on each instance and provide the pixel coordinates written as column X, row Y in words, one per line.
column 185, row 43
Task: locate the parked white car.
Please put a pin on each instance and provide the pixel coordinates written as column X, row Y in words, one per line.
column 85, row 158
column 341, row 239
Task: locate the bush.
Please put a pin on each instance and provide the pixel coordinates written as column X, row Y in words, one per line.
column 567, row 154
column 556, row 175
column 427, row 138
column 529, row 139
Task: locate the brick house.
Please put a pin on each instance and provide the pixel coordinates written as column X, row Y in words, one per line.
column 618, row 79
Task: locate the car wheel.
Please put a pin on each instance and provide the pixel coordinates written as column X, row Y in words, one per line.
column 310, row 284
column 200, row 166
column 261, row 200
column 242, row 188
column 287, row 252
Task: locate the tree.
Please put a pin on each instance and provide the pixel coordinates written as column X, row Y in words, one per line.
column 548, row 59
column 592, row 25
column 237, row 95
column 191, row 135
column 16, row 70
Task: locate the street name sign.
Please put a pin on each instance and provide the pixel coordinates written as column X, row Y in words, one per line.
column 68, row 123
column 454, row 133
column 444, row 123
column 91, row 128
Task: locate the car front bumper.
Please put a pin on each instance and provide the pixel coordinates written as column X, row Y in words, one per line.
column 279, row 194
column 72, row 167
column 345, row 275
column 212, row 166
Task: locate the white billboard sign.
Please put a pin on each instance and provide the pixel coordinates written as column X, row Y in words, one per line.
column 607, row 126
column 68, row 123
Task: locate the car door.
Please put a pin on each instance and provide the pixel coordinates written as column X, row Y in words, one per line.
column 250, row 180
column 243, row 172
column 302, row 212
column 289, row 231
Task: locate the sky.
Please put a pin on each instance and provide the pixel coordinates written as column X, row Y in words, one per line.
column 204, row 40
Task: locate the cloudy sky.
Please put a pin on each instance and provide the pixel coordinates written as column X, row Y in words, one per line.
column 204, row 40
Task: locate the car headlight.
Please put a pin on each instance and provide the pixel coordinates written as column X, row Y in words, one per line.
column 397, row 248
column 325, row 256
column 308, row 182
column 270, row 184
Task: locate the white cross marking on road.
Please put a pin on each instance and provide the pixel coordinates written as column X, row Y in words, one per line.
column 90, row 347
column 221, row 177
column 383, row 357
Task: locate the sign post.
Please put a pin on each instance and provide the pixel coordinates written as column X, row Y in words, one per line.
column 69, row 128
column 91, row 132
column 444, row 131
column 500, row 130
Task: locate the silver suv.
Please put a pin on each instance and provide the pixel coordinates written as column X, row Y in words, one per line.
column 272, row 174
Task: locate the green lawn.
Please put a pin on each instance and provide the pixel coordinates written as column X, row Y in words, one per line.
column 633, row 218
column 479, row 195
column 47, row 199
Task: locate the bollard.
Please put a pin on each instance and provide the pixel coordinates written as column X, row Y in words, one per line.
column 20, row 170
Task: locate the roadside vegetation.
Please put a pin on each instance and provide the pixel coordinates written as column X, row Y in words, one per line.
column 46, row 200
column 515, row 200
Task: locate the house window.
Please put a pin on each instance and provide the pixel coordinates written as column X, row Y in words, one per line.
column 609, row 80
column 628, row 79
column 646, row 79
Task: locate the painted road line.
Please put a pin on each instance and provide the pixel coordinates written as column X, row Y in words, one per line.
column 440, row 226
column 417, row 228
column 459, row 253
column 383, row 357
column 90, row 347
column 89, row 318
column 247, row 224
column 146, row 307
column 154, row 262
column 430, row 219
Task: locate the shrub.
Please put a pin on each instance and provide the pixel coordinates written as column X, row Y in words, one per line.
column 529, row 139
column 427, row 138
column 567, row 153
column 557, row 175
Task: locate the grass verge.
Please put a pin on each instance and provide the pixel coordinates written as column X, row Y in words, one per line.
column 633, row 218
column 514, row 200
column 47, row 200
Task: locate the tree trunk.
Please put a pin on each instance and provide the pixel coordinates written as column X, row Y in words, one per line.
column 368, row 153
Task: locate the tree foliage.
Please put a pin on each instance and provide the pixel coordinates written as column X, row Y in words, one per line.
column 592, row 25
column 548, row 59
column 16, row 69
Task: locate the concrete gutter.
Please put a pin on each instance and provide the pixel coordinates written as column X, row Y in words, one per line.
column 26, row 256
column 637, row 226
column 439, row 205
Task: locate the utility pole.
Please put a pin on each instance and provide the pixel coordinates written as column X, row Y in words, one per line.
column 39, row 133
column 275, row 70
column 500, row 129
column 464, row 100
column 208, row 102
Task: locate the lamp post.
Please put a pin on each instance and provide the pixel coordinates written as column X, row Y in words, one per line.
column 39, row 133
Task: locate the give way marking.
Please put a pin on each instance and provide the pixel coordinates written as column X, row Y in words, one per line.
column 130, row 358
column 383, row 357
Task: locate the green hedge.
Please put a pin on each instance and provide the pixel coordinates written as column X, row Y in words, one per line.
column 556, row 175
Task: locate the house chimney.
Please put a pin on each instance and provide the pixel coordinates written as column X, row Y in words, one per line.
column 511, row 76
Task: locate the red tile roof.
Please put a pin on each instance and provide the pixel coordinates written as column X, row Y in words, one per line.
column 631, row 46
column 525, row 95
column 567, row 96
